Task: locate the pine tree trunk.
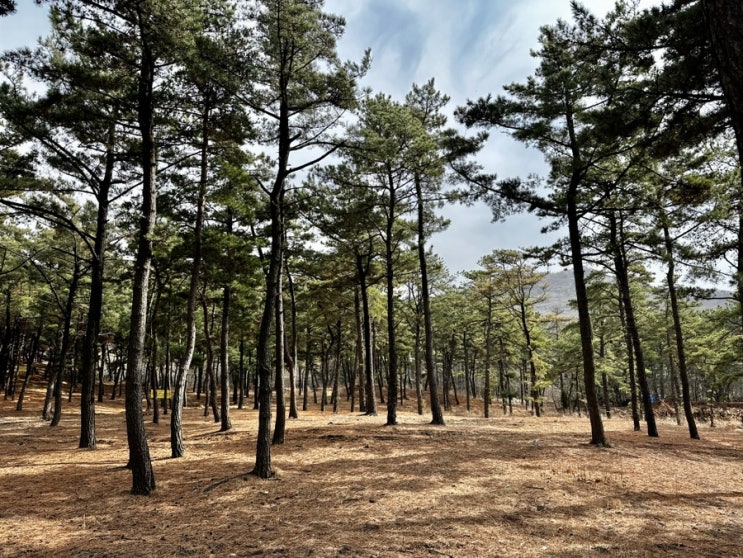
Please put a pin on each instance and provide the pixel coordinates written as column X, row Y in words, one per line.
column 437, row 417
column 488, row 358
column 291, row 350
column 211, row 373
column 30, row 368
column 65, row 348
column 620, row 268
column 143, row 479
column 723, row 19
column 359, row 351
column 598, row 436
column 89, row 358
column 679, row 334
column 362, row 269
column 226, row 423
column 177, row 447
column 279, row 338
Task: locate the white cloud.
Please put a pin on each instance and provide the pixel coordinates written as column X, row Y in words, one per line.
column 471, row 48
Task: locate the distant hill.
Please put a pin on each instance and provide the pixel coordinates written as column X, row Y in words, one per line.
column 561, row 291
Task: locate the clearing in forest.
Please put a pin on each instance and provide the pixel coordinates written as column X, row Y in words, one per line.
column 349, row 486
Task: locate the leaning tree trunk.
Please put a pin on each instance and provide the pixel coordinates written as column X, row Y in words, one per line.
column 630, row 366
column 680, row 349
column 620, row 268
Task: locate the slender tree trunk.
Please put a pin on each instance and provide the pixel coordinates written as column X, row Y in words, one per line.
column 679, row 334
column 292, row 351
column 152, row 365
column 371, row 399
column 392, row 363
column 488, row 358
column 598, row 436
column 95, row 307
column 66, row 341
column 280, row 427
column 177, row 447
column 337, row 367
column 210, row 401
column 30, row 368
column 503, row 382
column 620, row 269
column 467, row 386
column 604, row 378
column 630, row 367
column 437, row 417
column 359, row 353
column 674, row 378
column 417, row 364
column 263, row 467
column 241, row 375
column 533, row 388
column 224, row 340
column 101, row 369
column 307, row 366
column 143, row 479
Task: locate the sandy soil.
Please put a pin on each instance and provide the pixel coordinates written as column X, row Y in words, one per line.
column 349, row 486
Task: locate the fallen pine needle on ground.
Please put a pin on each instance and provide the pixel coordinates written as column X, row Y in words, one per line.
column 347, row 485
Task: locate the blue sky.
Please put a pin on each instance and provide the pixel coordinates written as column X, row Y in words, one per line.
column 470, row 47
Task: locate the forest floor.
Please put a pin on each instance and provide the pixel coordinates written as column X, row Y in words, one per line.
column 348, row 486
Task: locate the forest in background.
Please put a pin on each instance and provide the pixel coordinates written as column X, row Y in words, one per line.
column 200, row 197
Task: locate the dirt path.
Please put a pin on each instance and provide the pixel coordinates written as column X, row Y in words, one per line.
column 348, row 486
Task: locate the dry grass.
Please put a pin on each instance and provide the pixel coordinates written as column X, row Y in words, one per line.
column 348, row 486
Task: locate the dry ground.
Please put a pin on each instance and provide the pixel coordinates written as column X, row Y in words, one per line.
column 349, row 486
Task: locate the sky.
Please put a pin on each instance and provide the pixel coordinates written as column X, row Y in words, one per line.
column 470, row 47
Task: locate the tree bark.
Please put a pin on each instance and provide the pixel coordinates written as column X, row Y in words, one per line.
column 226, row 423
column 679, row 334
column 95, row 307
column 362, row 269
column 620, row 268
column 143, row 479
column 211, row 374
column 177, row 447
column 723, row 19
column 598, row 437
column 359, row 352
column 66, row 341
column 291, row 350
column 437, row 417
column 279, row 338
